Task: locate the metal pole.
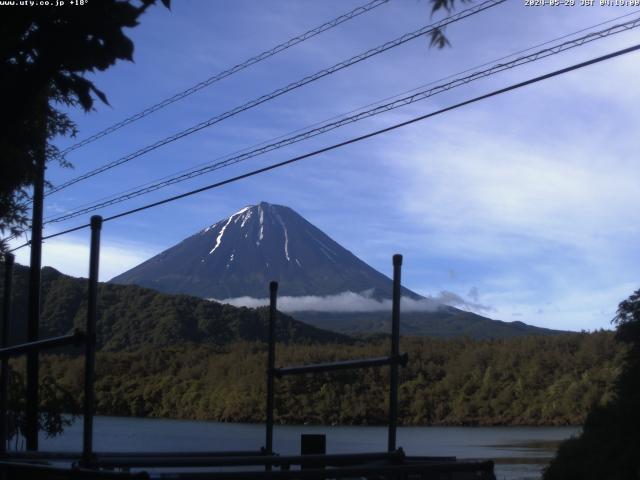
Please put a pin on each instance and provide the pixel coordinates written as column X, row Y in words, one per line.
column 33, row 319
column 395, row 351
column 271, row 361
column 4, row 341
column 90, row 341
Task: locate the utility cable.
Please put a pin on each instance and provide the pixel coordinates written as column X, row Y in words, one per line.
column 375, row 133
column 401, row 102
column 280, row 91
column 335, row 117
column 226, row 73
column 344, row 114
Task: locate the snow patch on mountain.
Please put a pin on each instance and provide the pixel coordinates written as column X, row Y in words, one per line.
column 261, row 236
column 241, row 211
column 286, row 237
column 219, row 237
column 240, row 255
column 246, row 218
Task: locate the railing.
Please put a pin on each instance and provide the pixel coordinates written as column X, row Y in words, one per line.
column 394, row 360
column 91, row 465
column 88, row 338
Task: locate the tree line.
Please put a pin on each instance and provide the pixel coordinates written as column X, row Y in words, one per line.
column 553, row 380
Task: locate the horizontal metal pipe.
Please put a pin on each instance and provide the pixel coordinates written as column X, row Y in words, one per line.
column 485, row 468
column 343, row 365
column 202, row 461
column 75, row 338
column 223, row 453
column 73, row 456
column 37, row 471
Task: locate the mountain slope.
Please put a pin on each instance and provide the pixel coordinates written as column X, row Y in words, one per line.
column 130, row 317
column 239, row 256
column 445, row 322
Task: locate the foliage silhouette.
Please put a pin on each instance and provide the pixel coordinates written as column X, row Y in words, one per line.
column 58, row 406
column 609, row 445
column 44, row 55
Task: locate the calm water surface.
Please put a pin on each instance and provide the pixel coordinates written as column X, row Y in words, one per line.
column 519, row 452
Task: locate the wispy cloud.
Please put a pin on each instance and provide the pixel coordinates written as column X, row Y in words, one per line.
column 535, row 209
column 71, row 256
column 355, row 302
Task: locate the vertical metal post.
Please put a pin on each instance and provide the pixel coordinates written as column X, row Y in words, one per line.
column 90, row 342
column 271, row 361
column 33, row 319
column 4, row 342
column 395, row 351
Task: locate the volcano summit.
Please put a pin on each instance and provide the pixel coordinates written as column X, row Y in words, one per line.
column 239, row 255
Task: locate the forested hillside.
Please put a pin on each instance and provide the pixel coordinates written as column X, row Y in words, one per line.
column 183, row 357
column 524, row 381
column 131, row 317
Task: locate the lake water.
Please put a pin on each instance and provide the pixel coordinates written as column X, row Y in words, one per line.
column 519, row 452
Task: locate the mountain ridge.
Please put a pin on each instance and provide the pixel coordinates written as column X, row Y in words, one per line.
column 132, row 317
column 239, row 255
column 444, row 322
column 234, row 259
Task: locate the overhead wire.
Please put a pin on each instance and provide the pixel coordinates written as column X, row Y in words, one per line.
column 156, row 184
column 280, row 91
column 360, row 138
column 345, row 120
column 226, row 73
column 342, row 115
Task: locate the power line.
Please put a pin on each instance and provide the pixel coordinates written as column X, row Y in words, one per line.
column 252, row 173
column 344, row 114
column 276, row 93
column 401, row 102
column 339, row 116
column 246, row 149
column 226, row 73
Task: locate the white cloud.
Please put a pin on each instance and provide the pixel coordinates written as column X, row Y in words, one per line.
column 569, row 309
column 354, row 302
column 531, row 195
column 71, row 256
column 506, row 185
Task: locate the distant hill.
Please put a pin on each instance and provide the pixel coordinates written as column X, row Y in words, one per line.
column 445, row 322
column 238, row 256
column 131, row 317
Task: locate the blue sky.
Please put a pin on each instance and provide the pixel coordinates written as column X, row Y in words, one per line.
column 525, row 204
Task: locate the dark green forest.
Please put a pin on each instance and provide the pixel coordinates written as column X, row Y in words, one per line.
column 132, row 317
column 523, row 381
column 183, row 357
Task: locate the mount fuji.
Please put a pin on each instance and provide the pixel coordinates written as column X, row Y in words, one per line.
column 238, row 256
column 234, row 260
